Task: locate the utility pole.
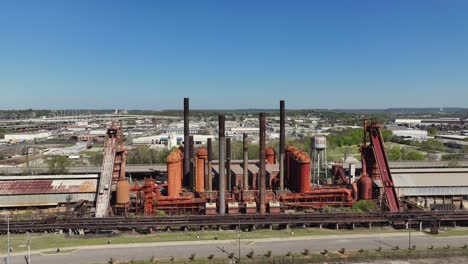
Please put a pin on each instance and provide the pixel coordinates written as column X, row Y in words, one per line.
column 8, row 237
column 239, row 241
column 29, row 248
column 409, row 234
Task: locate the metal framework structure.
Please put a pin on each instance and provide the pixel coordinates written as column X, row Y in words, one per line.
column 112, row 165
column 372, row 128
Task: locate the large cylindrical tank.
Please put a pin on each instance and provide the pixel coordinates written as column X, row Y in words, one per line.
column 365, row 187
column 123, row 192
column 270, row 155
column 319, row 143
column 180, row 154
column 287, row 170
column 173, row 174
column 303, row 163
column 202, row 156
column 295, row 178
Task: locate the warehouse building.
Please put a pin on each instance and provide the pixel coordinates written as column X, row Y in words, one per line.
column 432, row 188
column 46, row 191
column 31, row 136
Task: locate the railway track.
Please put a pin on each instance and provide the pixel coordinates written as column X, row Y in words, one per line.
column 163, row 223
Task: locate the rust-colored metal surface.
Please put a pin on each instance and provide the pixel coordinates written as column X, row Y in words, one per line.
column 209, row 174
column 123, row 192
column 270, row 155
column 202, row 156
column 304, row 173
column 174, row 173
column 47, row 186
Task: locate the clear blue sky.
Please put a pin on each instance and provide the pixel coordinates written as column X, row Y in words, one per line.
column 233, row 54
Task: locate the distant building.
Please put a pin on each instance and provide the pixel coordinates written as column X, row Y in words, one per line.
column 408, row 133
column 429, row 122
column 180, row 130
column 241, row 130
column 27, row 136
column 170, row 140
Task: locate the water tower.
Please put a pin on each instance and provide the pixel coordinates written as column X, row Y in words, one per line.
column 318, row 154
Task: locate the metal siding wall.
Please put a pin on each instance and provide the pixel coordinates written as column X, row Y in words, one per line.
column 43, row 199
column 432, row 191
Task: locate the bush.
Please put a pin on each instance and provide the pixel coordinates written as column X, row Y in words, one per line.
column 363, row 206
column 96, row 158
column 58, row 165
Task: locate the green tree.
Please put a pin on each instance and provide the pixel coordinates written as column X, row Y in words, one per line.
column 146, row 155
column 2, row 133
column 432, row 131
column 394, row 153
column 412, row 155
column 58, row 165
column 96, row 158
column 432, row 145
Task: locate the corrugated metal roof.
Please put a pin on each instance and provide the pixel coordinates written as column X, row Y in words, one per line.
column 429, row 170
column 432, row 191
column 431, row 180
column 237, row 169
column 48, row 186
column 253, row 169
column 49, row 177
column 272, row 168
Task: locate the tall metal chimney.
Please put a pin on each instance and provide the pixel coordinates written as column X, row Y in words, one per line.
column 222, row 176
column 228, row 164
column 262, row 171
column 282, row 144
column 246, row 161
column 209, row 175
column 186, row 143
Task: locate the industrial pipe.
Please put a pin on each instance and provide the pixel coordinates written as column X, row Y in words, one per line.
column 192, row 165
column 209, row 180
column 222, row 177
column 186, row 167
column 228, row 164
column 282, row 145
column 246, row 161
column 262, row 171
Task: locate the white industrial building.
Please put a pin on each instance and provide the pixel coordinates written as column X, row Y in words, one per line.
column 243, row 130
column 170, row 140
column 409, row 133
column 30, row 136
column 180, row 130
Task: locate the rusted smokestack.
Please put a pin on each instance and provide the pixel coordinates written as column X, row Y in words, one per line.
column 222, row 176
column 246, row 161
column 209, row 180
column 228, row 164
column 192, row 165
column 282, row 145
column 262, row 171
column 186, row 144
column 200, row 173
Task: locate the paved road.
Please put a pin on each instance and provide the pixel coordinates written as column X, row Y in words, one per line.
column 203, row 249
